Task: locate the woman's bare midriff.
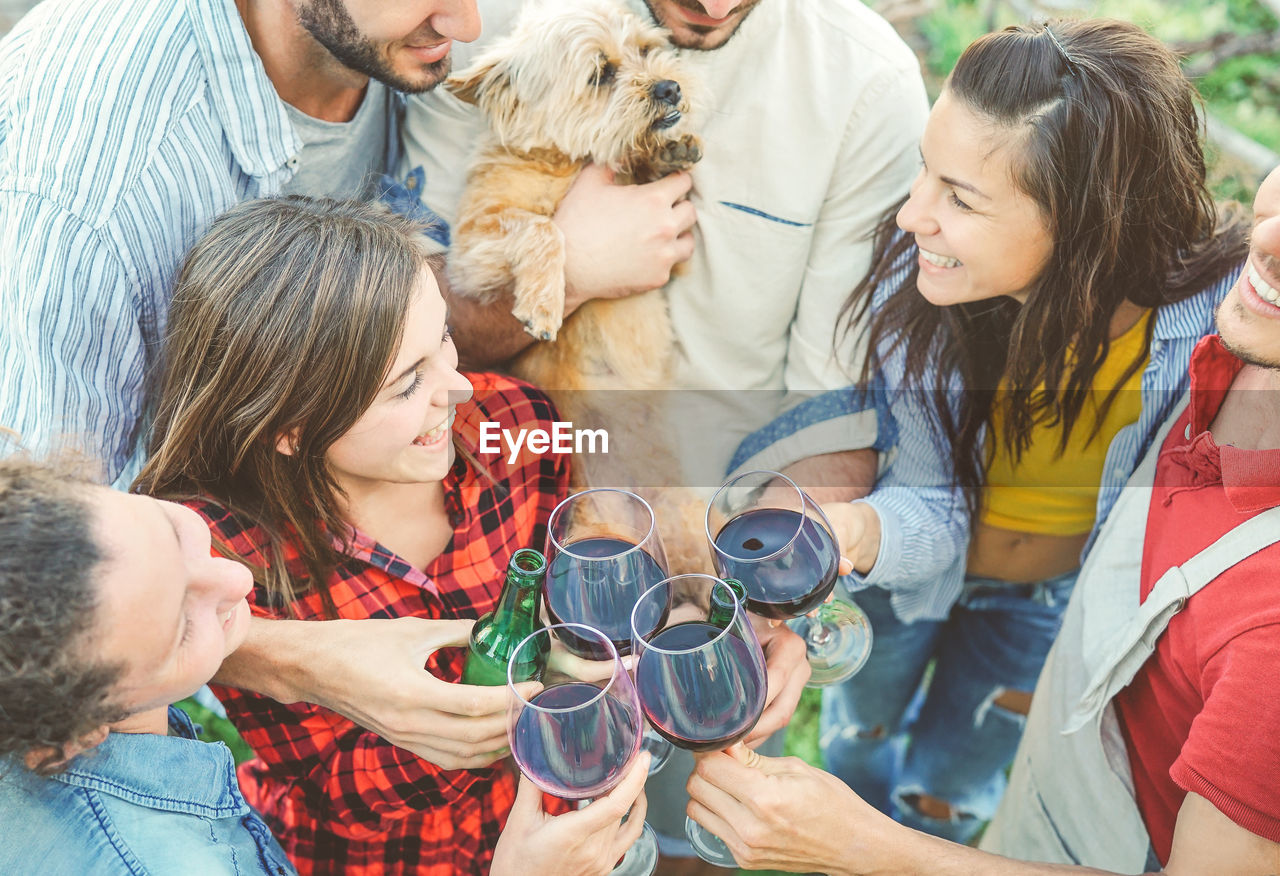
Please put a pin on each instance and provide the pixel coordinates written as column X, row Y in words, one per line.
column 1022, row 557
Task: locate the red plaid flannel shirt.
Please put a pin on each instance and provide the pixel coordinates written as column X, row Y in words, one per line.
column 339, row 798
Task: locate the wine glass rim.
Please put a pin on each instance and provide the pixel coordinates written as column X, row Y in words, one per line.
column 565, row 548
column 804, row 500
column 738, row 614
column 613, row 677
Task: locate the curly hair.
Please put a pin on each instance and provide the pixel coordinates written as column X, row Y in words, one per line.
column 51, row 695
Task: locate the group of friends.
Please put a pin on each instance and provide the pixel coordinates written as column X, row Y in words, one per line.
column 1026, row 363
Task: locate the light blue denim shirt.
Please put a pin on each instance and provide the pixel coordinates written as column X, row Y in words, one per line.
column 924, row 526
column 137, row 804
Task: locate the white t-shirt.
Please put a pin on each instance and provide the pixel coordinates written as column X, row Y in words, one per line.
column 813, row 119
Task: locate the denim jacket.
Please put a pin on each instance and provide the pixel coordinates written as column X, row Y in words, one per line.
column 136, row 804
column 924, row 526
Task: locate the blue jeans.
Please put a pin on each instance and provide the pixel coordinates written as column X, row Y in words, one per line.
column 890, row 737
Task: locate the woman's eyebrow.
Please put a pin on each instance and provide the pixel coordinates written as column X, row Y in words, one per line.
column 405, row 373
column 952, row 181
column 963, row 185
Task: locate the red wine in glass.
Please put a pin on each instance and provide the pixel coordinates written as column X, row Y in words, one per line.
column 700, row 701
column 787, row 561
column 778, row 543
column 575, row 741
column 596, row 581
column 577, row 736
column 700, row 675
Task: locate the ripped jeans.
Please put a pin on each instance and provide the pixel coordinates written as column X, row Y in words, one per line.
column 890, row 737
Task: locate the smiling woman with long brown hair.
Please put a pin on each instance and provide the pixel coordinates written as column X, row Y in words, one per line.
column 313, row 414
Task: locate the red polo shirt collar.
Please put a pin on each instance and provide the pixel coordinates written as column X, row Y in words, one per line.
column 1250, row 478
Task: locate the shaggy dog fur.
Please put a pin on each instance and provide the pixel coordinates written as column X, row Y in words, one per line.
column 578, row 82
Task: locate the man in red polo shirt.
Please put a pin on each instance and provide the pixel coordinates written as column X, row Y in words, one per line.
column 1153, row 742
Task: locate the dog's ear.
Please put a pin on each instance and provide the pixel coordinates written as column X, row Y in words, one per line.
column 468, row 85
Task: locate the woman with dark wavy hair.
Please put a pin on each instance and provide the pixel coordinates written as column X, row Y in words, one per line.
column 1031, row 313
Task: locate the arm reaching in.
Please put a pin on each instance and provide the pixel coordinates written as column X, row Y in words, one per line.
column 782, row 814
column 371, row 672
column 836, row 477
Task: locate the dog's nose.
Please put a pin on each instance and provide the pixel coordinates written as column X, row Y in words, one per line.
column 667, row 91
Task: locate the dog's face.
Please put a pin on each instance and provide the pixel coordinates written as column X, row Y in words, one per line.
column 586, row 77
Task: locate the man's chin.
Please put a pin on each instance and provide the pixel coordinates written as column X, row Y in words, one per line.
column 413, row 78
column 698, row 39
column 1244, row 335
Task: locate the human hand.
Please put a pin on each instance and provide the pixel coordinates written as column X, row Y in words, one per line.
column 787, row 662
column 585, row 842
column 782, row 814
column 372, row 672
column 620, row 240
column 857, row 530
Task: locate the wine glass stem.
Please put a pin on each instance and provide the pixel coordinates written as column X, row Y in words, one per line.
column 819, row 635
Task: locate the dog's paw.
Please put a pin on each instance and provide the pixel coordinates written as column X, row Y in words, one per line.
column 677, row 155
column 540, row 321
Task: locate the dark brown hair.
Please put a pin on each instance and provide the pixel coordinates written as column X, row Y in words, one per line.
column 285, row 318
column 52, row 693
column 1106, row 128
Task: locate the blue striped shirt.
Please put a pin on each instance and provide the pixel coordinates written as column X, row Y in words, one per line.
column 125, row 129
column 924, row 524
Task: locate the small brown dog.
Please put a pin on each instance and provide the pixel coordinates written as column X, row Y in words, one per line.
column 580, row 81
column 576, row 81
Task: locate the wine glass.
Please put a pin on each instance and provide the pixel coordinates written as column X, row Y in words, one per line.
column 578, row 736
column 603, row 550
column 767, row 533
column 700, row 674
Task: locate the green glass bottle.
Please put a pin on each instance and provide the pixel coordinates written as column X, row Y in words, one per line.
column 721, row 612
column 495, row 636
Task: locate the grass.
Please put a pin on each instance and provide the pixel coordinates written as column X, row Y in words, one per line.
column 214, row 728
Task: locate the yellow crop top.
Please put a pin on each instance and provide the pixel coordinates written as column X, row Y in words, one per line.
column 1057, row 495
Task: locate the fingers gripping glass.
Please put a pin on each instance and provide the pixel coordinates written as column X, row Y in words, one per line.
column 767, row 533
column 578, row 736
column 700, row 674
column 603, row 550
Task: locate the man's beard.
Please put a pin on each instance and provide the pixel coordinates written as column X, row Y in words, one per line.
column 331, row 26
column 695, row 6
column 1246, row 356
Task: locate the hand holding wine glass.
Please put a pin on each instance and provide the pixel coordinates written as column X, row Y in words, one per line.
column 767, row 533
column 856, row 527
column 780, row 813
column 700, row 673
column 786, row 661
column 579, row 736
column 583, row 842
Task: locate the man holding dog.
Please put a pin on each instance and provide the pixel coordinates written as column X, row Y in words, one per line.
column 1151, row 743
column 125, row 128
column 774, row 226
column 774, row 223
